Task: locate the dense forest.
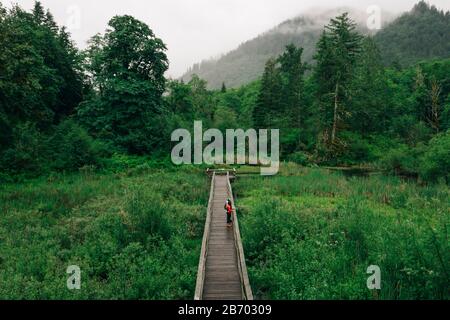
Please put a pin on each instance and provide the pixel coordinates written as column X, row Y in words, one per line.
column 86, row 176
column 62, row 109
column 414, row 36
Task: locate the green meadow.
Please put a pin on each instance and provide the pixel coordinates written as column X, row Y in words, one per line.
column 308, row 233
column 135, row 234
column 312, row 234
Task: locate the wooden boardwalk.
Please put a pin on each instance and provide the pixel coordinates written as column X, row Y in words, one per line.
column 222, row 274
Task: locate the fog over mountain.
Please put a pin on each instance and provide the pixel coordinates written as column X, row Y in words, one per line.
column 246, row 63
column 194, row 30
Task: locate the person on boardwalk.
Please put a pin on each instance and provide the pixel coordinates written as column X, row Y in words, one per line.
column 229, row 211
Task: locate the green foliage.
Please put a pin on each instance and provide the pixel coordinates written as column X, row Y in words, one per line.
column 292, row 71
column 415, row 36
column 435, row 162
column 401, row 161
column 359, row 149
column 27, row 151
column 317, row 232
column 299, row 158
column 224, row 118
column 338, row 51
column 68, row 148
column 269, row 98
column 41, row 79
column 128, row 65
column 429, row 161
column 371, row 98
column 280, row 101
column 71, row 148
column 180, row 100
column 148, row 215
column 122, row 231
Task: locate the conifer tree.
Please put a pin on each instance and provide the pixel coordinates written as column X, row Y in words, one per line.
column 39, row 13
column 370, row 105
column 269, row 98
column 337, row 53
column 292, row 72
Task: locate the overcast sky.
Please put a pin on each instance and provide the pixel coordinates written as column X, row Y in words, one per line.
column 197, row 29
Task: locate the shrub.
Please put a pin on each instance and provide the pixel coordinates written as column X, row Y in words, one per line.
column 402, row 160
column 72, row 148
column 27, row 153
column 148, row 213
column 299, row 158
column 435, row 162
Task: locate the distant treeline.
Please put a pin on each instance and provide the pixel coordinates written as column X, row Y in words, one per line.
column 62, row 109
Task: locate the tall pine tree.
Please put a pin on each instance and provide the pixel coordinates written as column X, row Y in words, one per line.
column 292, row 72
column 337, row 53
column 370, row 105
column 269, row 101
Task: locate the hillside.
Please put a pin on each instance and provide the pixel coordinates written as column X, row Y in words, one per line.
column 246, row 63
column 419, row 34
column 423, row 33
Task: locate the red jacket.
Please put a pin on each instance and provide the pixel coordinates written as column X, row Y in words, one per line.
column 228, row 208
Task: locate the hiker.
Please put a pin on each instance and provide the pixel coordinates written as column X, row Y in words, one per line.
column 229, row 210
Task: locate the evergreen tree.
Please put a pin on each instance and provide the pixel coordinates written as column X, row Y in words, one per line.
column 370, row 105
column 292, row 72
column 42, row 75
column 269, row 98
column 202, row 100
column 179, row 100
column 50, row 23
column 336, row 57
column 39, row 13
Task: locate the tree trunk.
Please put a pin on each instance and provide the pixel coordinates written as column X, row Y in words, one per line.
column 335, row 117
column 434, row 117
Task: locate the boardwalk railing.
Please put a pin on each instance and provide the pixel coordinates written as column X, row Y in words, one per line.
column 245, row 283
column 203, row 253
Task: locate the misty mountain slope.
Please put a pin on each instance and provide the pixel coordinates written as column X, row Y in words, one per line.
column 246, row 63
column 422, row 33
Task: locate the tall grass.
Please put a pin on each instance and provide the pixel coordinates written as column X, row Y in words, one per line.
column 312, row 234
column 135, row 235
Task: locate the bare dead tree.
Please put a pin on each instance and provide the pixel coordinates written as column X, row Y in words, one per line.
column 434, row 114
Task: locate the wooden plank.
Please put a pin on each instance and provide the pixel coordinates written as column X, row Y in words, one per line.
column 241, row 257
column 222, row 297
column 222, row 273
column 221, row 265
